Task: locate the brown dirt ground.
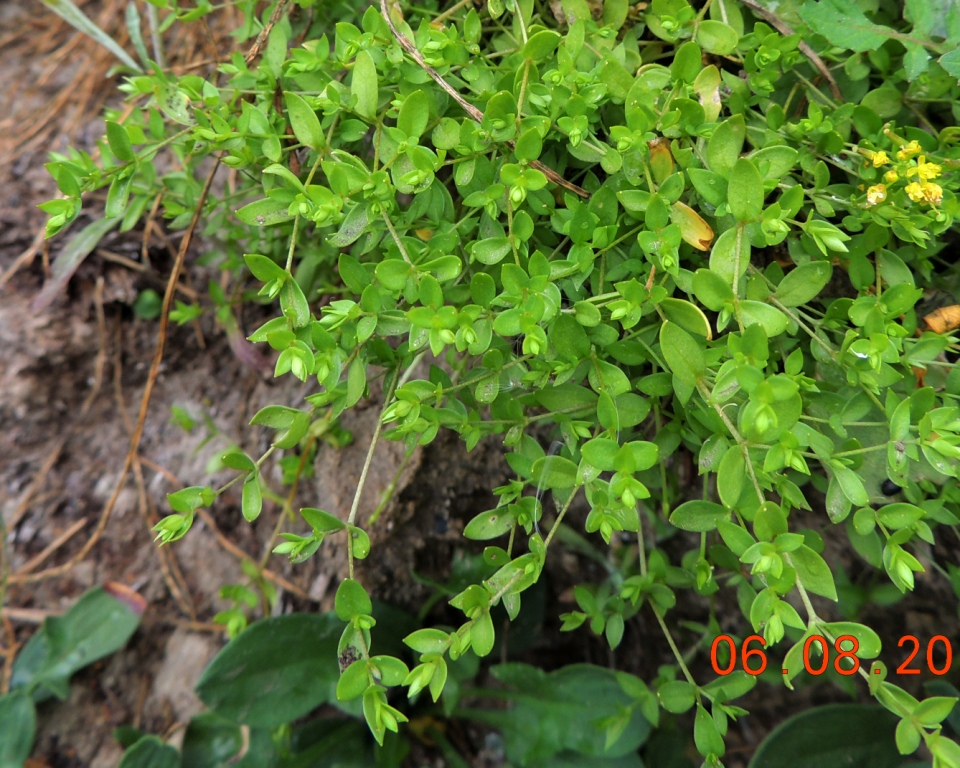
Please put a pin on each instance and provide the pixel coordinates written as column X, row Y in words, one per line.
column 71, row 382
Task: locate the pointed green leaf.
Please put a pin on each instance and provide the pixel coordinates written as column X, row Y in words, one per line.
column 304, row 121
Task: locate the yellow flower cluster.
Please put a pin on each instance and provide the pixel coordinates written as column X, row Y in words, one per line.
column 923, row 190
column 909, row 150
column 876, row 194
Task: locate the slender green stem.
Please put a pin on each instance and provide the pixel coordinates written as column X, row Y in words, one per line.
column 556, row 526
column 731, row 427
column 673, row 647
column 396, row 238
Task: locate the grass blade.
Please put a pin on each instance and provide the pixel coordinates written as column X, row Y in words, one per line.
column 76, row 18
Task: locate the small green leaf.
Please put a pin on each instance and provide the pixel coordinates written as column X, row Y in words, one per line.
column 851, row 485
column 482, row 634
column 717, row 38
column 771, row 319
column 555, row 472
column 489, row 525
column 251, row 499
column 869, row 645
column 686, row 315
column 237, row 459
column 677, row 696
column 263, row 213
column 294, row 304
column 731, row 476
column 529, row 145
column 352, row 600
column 359, row 541
column 712, row 187
column 322, row 522
column 119, row 141
column 541, row 44
column 725, row 145
column 683, row 354
column 706, row 735
column 711, row 289
column 844, row 25
column 813, row 572
column 414, row 114
column 364, row 86
column 491, row 251
column 745, row 191
column 304, row 121
column 730, row 256
column 802, row 284
column 587, row 314
column 698, row 516
column 354, row 680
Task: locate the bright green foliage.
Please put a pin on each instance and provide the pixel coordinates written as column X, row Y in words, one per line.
column 660, row 232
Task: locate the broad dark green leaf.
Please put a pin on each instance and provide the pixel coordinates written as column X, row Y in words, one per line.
column 98, row 624
column 844, row 25
column 18, row 723
column 277, row 670
column 832, row 736
column 150, row 752
column 210, row 740
column 562, row 711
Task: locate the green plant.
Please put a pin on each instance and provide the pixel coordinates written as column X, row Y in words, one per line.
column 649, row 234
column 98, row 624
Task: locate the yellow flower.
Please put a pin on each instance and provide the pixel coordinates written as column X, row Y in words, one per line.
column 914, row 192
column 909, row 150
column 933, row 193
column 880, row 158
column 876, row 194
column 890, row 177
column 924, row 169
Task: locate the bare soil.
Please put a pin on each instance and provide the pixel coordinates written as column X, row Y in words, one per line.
column 71, row 382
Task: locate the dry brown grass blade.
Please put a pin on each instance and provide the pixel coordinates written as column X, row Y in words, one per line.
column 471, row 110
column 144, row 401
column 172, row 574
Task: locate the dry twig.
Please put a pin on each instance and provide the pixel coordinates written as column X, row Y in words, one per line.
column 145, row 400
